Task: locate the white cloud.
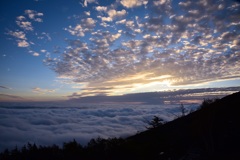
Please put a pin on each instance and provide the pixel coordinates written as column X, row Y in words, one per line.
column 89, row 22
column 195, row 12
column 34, row 15
column 21, row 38
column 89, row 1
column 114, row 37
column 105, row 19
column 43, row 50
column 185, row 4
column 87, row 13
column 21, row 18
column 159, row 2
column 25, row 25
column 18, row 34
column 123, row 21
column 35, row 54
column 76, row 31
column 113, row 13
column 86, row 25
column 22, row 43
column 101, row 8
column 130, row 24
column 133, row 3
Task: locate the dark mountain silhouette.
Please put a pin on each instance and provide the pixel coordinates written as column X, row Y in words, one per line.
column 211, row 132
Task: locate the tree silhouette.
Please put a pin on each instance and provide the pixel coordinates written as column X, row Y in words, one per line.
column 183, row 110
column 155, row 122
column 207, row 102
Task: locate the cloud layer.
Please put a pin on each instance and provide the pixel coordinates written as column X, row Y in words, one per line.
column 47, row 124
column 169, row 44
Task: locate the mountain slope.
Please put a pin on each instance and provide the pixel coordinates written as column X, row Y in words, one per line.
column 212, row 132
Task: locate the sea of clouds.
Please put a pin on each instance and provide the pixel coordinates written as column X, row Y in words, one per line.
column 48, row 124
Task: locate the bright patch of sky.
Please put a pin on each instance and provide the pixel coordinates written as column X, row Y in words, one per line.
column 56, row 49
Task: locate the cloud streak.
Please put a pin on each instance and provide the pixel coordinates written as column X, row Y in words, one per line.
column 4, row 87
column 42, row 91
column 166, row 97
column 10, row 97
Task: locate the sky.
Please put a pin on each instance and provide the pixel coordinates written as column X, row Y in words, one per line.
column 74, row 49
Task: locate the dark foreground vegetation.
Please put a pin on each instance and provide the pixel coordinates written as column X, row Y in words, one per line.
column 211, row 132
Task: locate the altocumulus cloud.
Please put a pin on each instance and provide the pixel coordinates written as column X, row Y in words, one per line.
column 25, row 27
column 173, row 43
column 48, row 124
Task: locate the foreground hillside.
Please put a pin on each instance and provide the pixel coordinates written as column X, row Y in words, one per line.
column 212, row 132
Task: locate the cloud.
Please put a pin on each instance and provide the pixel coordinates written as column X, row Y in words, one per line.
column 101, row 8
column 165, row 97
column 87, row 13
column 22, row 123
column 4, row 87
column 21, row 38
column 86, row 2
column 36, row 54
column 43, row 50
column 86, row 25
column 133, row 3
column 18, row 34
column 105, row 19
column 123, row 21
column 159, row 2
column 187, row 40
column 24, row 24
column 9, row 97
column 42, row 91
column 34, row 15
column 185, row 4
column 113, row 13
column 44, row 36
column 22, row 43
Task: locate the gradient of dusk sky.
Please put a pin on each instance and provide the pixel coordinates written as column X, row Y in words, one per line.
column 52, row 50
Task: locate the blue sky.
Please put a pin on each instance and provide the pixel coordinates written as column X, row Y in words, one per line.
column 53, row 50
